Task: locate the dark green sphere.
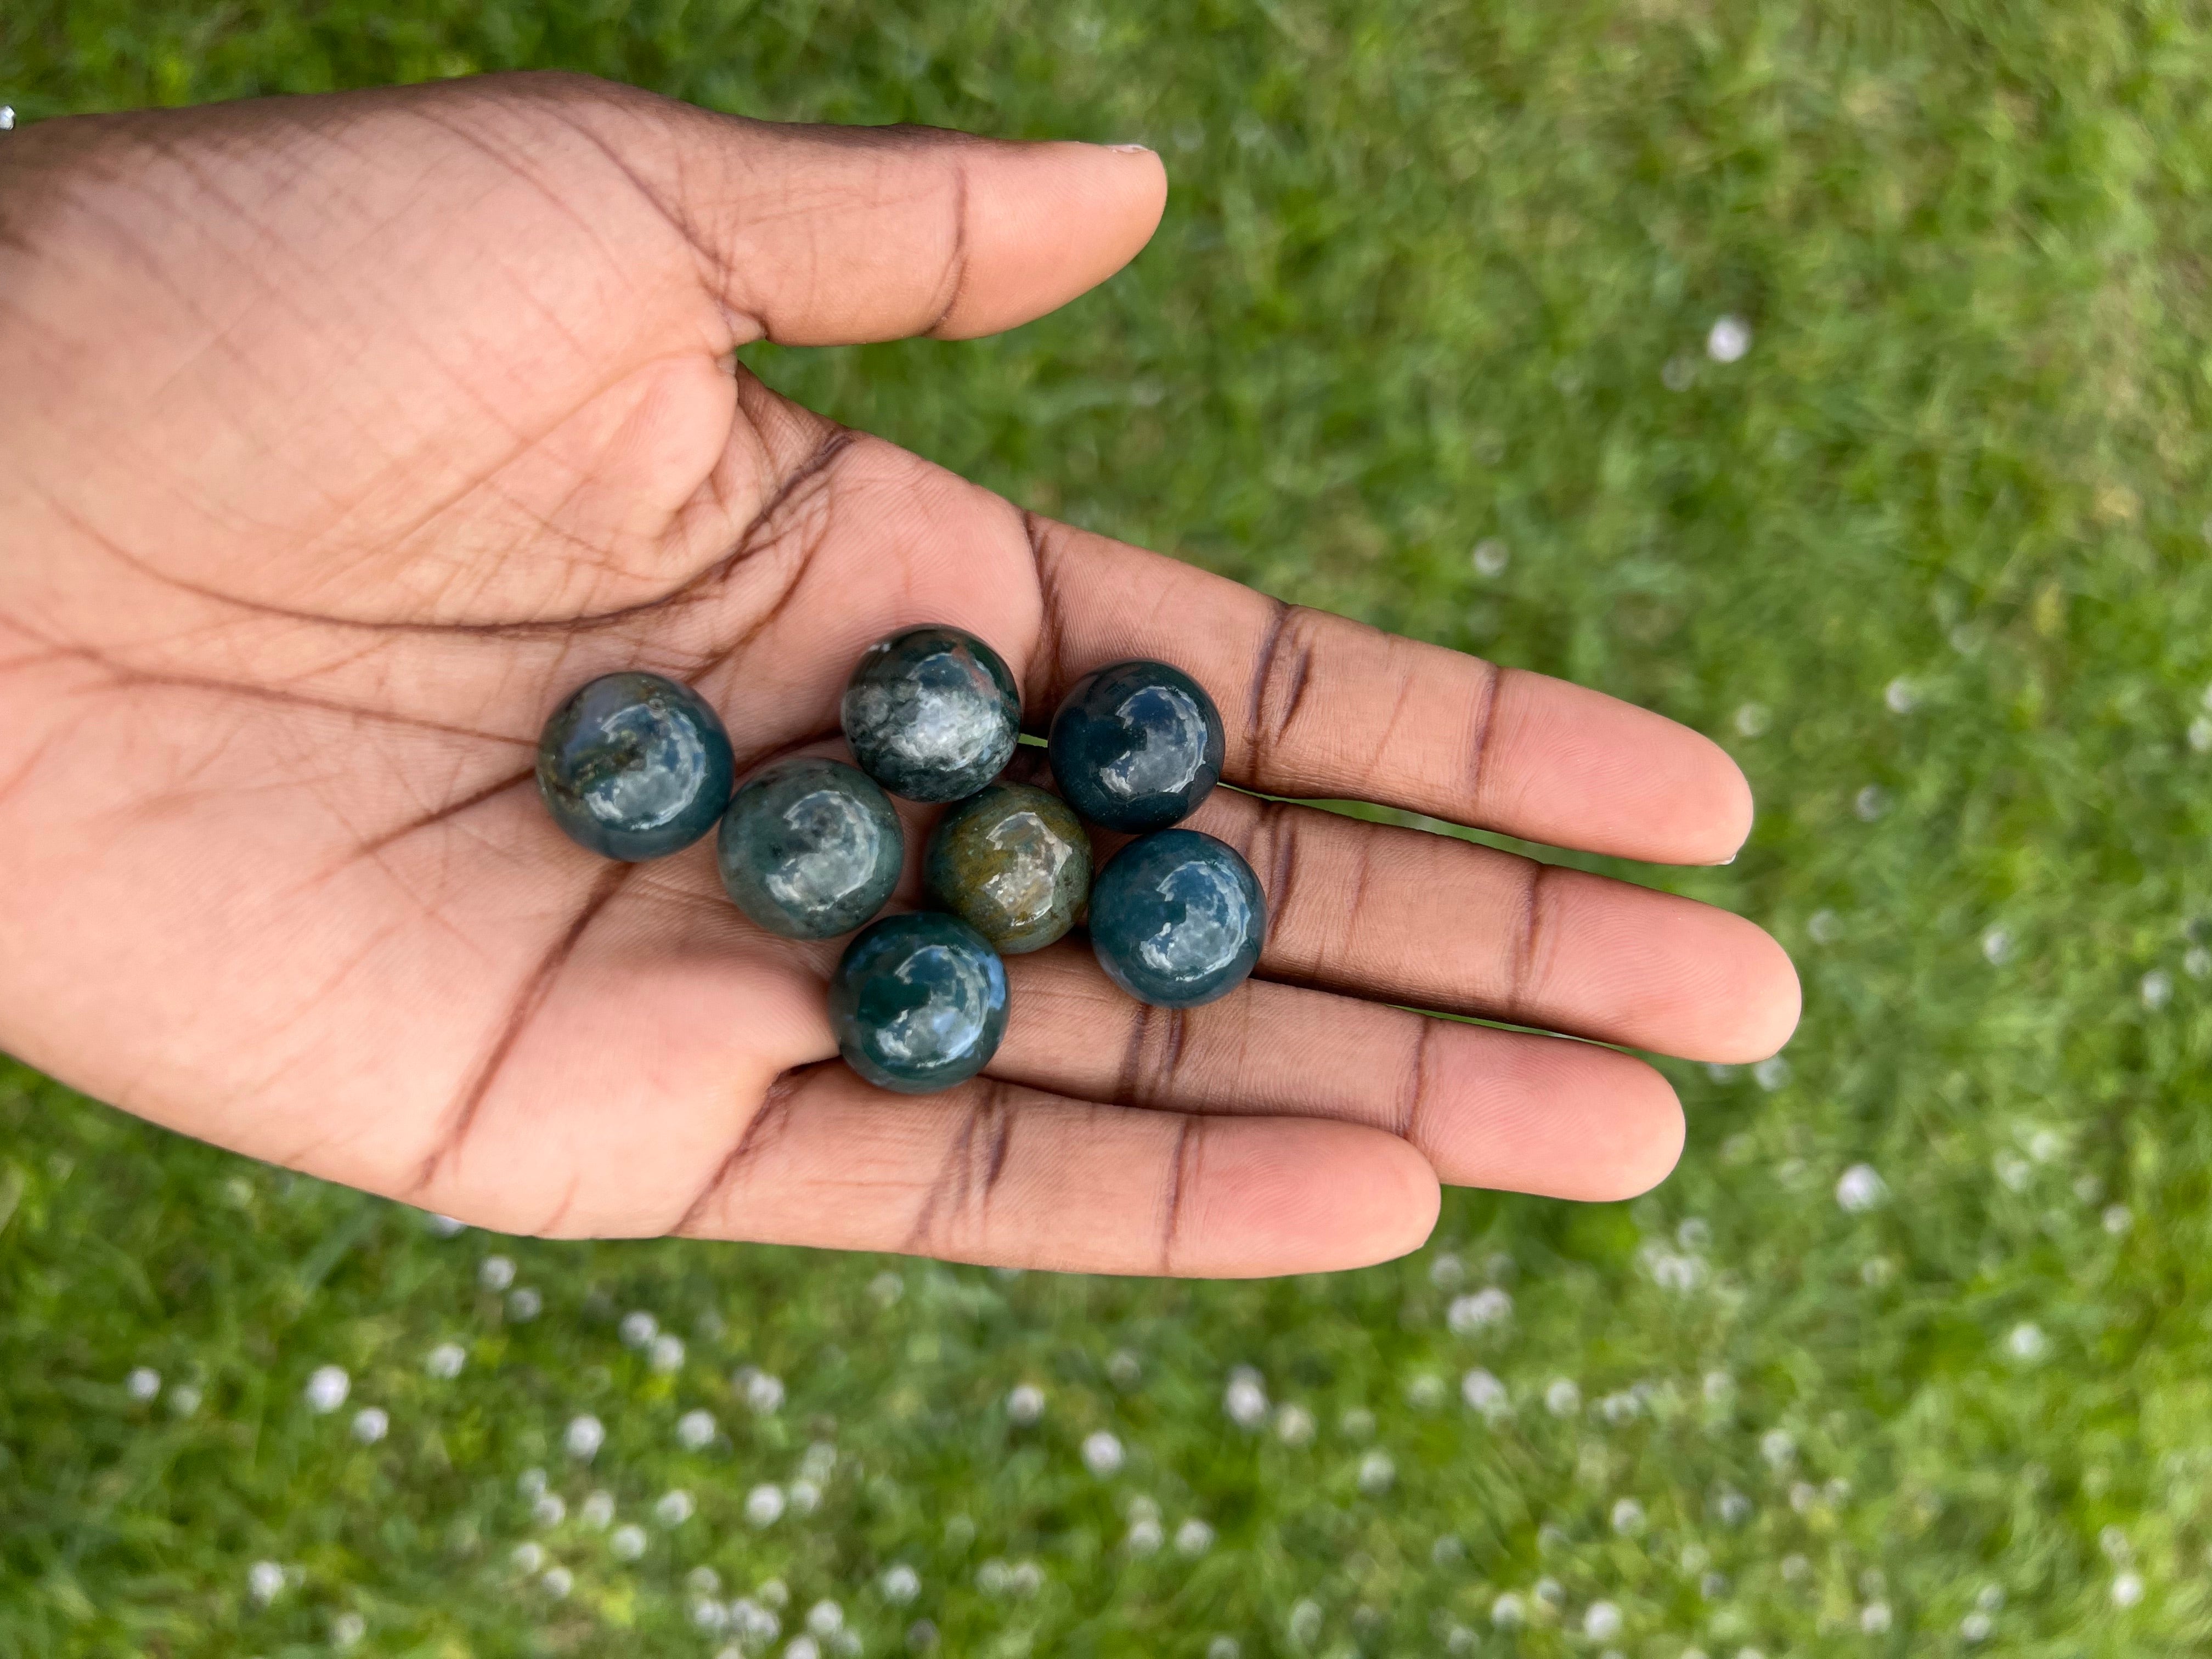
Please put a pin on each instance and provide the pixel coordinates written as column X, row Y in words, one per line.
column 1013, row 863
column 918, row 1003
column 810, row 847
column 1177, row 919
column 932, row 714
column 1136, row 746
column 633, row 766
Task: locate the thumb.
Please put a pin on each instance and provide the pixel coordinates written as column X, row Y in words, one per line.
column 822, row 235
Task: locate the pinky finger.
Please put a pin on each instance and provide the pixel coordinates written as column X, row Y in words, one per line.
column 997, row 1174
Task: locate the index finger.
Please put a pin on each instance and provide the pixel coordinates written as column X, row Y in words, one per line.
column 1321, row 706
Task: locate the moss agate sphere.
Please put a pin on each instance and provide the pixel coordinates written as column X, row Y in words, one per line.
column 633, row 766
column 932, row 714
column 810, row 847
column 1177, row 919
column 1136, row 746
column 1011, row 862
column 918, row 1003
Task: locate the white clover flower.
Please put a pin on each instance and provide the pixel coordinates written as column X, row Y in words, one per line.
column 1145, row 1535
column 1900, row 696
column 638, row 1329
column 1794, row 1568
column 1446, row 1271
column 1124, row 1370
column 1870, row 803
column 1627, row 1516
column 584, row 1436
column 1751, row 721
column 1101, row 1452
column 1448, row 1551
column 1874, row 1618
column 1563, row 1397
column 144, row 1383
column 1193, row 1537
column 1305, row 1624
column 2157, row 986
column 1719, row 1388
column 1025, row 1403
column 1377, row 1474
column 1223, row 1647
column 2127, row 1590
column 704, row 1581
column 184, row 1400
column 1490, row 556
column 1974, row 1627
column 754, row 1622
column 1620, row 1407
column 666, row 1353
column 1425, row 1392
column 763, row 1392
column 1356, row 1424
column 2117, row 1219
column 1479, row 1312
column 1245, row 1399
column 802, row 1647
column 694, row 1429
column 900, row 1584
column 1825, row 926
column 1861, row 1189
column 1484, row 1393
column 558, row 1582
column 370, row 1424
column 1732, row 1506
column 1728, row 339
column 445, row 1361
column 1778, row 1447
column 710, row 1615
column 820, row 1460
column 803, row 1497
column 1803, row 1494
column 525, row 1305
column 1294, row 1425
column 2027, row 1343
column 993, row 1577
column 673, row 1508
column 550, row 1509
column 1989, row 1597
column 347, row 1630
column 764, row 1505
column 1997, row 946
column 2113, row 1541
column 528, row 1558
column 597, row 1510
column 265, row 1582
column 825, row 1619
column 1602, row 1621
column 531, row 1483
column 887, row 1288
column 627, row 1542
column 1508, row 1611
column 1771, row 1073
column 328, row 1389
column 495, row 1272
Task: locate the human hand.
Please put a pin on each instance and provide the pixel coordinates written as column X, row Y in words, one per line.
column 341, row 437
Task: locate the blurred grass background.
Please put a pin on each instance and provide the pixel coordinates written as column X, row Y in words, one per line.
column 1910, row 1356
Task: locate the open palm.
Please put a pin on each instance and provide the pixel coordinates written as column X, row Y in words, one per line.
column 342, row 437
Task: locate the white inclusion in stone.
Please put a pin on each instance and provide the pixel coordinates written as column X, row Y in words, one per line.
column 1294, row 1425
column 1861, row 1189
column 1562, row 1398
column 1479, row 1312
column 1208, row 932
column 1728, row 339
column 584, row 1436
column 144, row 1383
column 495, row 1272
column 1490, row 556
column 940, row 1024
column 900, row 1584
column 839, row 856
column 2157, row 986
column 1031, row 859
column 764, row 1505
column 1025, row 1404
column 327, row 1388
column 1997, row 946
column 1101, row 1452
column 2027, row 1343
column 639, row 1328
column 371, row 1424
column 929, row 725
column 673, row 1509
column 1193, row 1537
column 264, row 1580
column 670, row 757
column 695, row 1429
column 445, row 1361
column 627, row 1542
column 1377, row 1474
column 1245, row 1399
column 666, row 1353
column 597, row 1510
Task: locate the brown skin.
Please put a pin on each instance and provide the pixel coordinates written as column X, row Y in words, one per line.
column 341, row 437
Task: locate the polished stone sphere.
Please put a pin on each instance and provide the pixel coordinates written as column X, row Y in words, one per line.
column 1136, row 746
column 932, row 714
column 810, row 847
column 918, row 1003
column 1013, row 864
column 633, row 766
column 1177, row 919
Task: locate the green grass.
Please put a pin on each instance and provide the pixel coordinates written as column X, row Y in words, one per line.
column 1432, row 274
